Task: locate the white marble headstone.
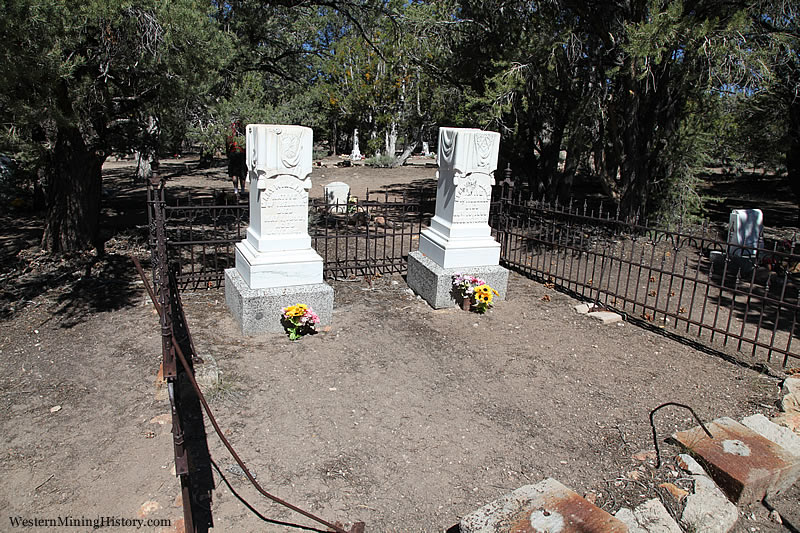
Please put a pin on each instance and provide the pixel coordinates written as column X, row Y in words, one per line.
column 337, row 194
column 459, row 234
column 355, row 155
column 745, row 230
column 277, row 250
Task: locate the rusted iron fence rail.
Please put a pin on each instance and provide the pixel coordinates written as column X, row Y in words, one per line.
column 368, row 236
column 687, row 280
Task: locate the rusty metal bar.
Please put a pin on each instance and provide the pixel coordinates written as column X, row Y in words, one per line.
column 653, row 426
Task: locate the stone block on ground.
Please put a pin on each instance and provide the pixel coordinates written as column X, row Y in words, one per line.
column 259, row 310
column 708, row 509
column 790, row 395
column 545, row 506
column 649, row 517
column 790, row 386
column 606, row 317
column 582, row 309
column 745, row 465
column 789, row 420
column 781, row 436
column 435, row 284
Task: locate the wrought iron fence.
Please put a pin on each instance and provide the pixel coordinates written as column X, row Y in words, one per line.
column 687, row 280
column 368, row 236
column 200, row 236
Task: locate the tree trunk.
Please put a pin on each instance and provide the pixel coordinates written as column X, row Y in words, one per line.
column 73, row 195
column 143, row 167
column 334, row 144
column 391, row 140
column 793, row 152
column 402, row 158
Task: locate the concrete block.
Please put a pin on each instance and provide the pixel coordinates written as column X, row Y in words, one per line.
column 606, row 317
column 649, row 517
column 790, row 386
column 781, row 436
column 745, row 465
column 708, row 509
column 259, row 310
column 790, row 391
column 582, row 309
column 546, row 506
column 789, row 420
column 435, row 284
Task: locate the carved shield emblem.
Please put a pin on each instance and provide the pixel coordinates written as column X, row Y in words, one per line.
column 483, row 147
column 289, row 150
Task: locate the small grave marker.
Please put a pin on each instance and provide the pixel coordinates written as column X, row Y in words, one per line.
column 337, row 194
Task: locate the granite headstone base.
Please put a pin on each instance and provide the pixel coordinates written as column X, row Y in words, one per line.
column 435, row 284
column 259, row 310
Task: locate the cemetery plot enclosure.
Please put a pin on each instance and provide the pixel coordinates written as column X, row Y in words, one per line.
column 684, row 281
column 368, row 236
column 688, row 281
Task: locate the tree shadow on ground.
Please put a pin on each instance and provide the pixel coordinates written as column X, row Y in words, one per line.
column 167, row 168
column 422, row 192
column 74, row 287
column 20, row 231
column 763, row 302
column 423, row 189
column 769, row 192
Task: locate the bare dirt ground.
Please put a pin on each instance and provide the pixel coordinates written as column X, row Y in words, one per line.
column 400, row 416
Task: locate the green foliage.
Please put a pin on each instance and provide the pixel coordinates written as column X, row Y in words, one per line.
column 617, row 88
column 633, row 97
column 81, row 80
column 250, row 103
column 104, row 67
column 380, row 161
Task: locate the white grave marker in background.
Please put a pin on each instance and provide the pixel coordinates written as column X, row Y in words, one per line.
column 745, row 229
column 337, row 194
column 355, row 155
